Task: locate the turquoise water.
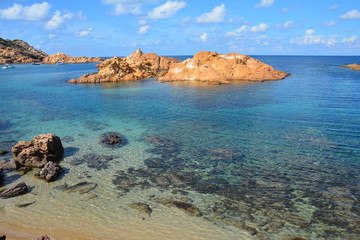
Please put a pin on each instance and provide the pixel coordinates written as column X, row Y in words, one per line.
column 279, row 159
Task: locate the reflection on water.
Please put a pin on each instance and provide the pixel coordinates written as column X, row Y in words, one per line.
column 271, row 160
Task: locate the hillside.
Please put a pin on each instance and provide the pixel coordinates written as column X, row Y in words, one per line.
column 19, row 51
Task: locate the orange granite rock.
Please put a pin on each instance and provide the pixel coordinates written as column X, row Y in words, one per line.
column 134, row 67
column 214, row 68
column 62, row 57
column 353, row 66
column 19, row 51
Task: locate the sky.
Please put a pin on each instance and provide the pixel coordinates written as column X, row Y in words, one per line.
column 109, row 28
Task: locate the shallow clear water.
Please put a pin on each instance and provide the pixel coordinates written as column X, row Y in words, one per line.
column 269, row 160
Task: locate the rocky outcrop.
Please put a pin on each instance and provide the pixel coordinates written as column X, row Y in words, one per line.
column 50, row 171
column 64, row 58
column 18, row 51
column 39, row 151
column 353, row 66
column 214, row 68
column 112, row 139
column 137, row 66
column 14, row 190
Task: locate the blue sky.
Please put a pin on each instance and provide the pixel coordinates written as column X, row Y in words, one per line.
column 184, row 27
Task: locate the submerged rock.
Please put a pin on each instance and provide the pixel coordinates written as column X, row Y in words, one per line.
column 14, row 190
column 214, row 68
column 94, row 161
column 112, row 139
column 37, row 152
column 141, row 207
column 134, row 67
column 3, row 152
column 188, row 208
column 50, row 171
column 24, row 205
column 81, row 188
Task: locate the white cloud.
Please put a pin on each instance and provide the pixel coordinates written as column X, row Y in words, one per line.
column 286, row 25
column 353, row 14
column 310, row 31
column 216, row 15
column 203, row 37
column 84, row 33
column 122, row 9
column 35, row 12
column 334, row 7
column 262, row 27
column 143, row 29
column 168, row 9
column 265, row 3
column 142, row 22
column 56, row 20
column 52, row 36
column 349, row 40
column 330, row 23
column 310, row 39
column 237, row 32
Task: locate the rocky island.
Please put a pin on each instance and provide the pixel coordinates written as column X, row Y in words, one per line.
column 19, row 51
column 353, row 66
column 214, row 68
column 134, row 67
column 64, row 58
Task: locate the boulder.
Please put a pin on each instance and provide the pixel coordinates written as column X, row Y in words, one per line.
column 62, row 57
column 141, row 207
column 137, row 66
column 112, row 139
column 50, row 171
column 14, row 190
column 188, row 208
column 214, row 68
column 353, row 66
column 38, row 151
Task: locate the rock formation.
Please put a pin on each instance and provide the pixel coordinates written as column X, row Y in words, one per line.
column 62, row 57
column 353, row 66
column 50, row 171
column 134, row 67
column 214, row 68
column 18, row 51
column 14, row 190
column 39, row 151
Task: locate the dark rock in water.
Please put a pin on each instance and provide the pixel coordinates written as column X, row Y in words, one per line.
column 61, row 187
column 188, row 208
column 165, row 147
column 95, row 161
column 1, row 178
column 81, row 188
column 141, row 207
column 241, row 225
column 44, row 237
column 95, row 125
column 14, row 190
column 67, row 139
column 50, row 171
column 112, row 139
column 156, row 163
column 5, row 147
column 4, row 165
column 25, row 204
column 3, row 152
column 162, row 181
column 37, row 152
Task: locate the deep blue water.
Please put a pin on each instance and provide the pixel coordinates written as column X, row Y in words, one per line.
column 279, row 148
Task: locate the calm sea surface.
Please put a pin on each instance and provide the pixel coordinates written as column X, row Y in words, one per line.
column 269, row 160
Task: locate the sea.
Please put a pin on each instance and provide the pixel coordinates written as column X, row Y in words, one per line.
column 265, row 160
